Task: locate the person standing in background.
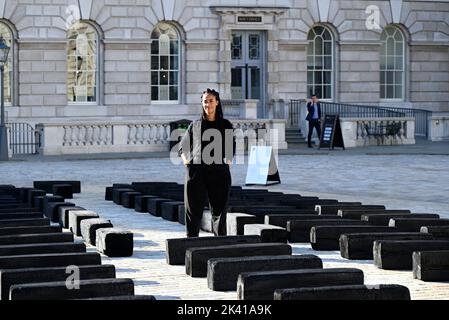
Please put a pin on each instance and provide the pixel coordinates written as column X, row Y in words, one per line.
column 314, row 118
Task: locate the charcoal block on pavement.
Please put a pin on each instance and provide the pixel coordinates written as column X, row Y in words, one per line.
column 397, row 254
column 128, row 199
column 41, row 248
column 34, row 193
column 36, row 238
column 384, row 219
column 117, row 194
column 357, row 214
column 10, row 223
column 415, row 224
column 63, row 212
column 12, row 216
column 175, row 249
column 141, row 203
column 431, row 265
column 359, row 246
column 49, row 260
column 155, row 205
column 437, row 232
column 47, row 200
column 29, row 230
column 182, row 214
column 262, row 285
column 332, row 208
column 60, row 290
column 169, row 210
column 282, row 219
column 9, row 278
column 63, row 190
column 299, row 230
column 125, row 298
column 267, row 233
column 351, row 292
column 115, row 242
column 48, row 185
column 52, row 210
column 108, row 193
column 196, row 258
column 236, row 221
column 39, row 203
column 89, row 229
column 328, row 237
column 75, row 218
column 222, row 273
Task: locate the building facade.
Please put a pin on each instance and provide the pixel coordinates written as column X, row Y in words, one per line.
column 151, row 59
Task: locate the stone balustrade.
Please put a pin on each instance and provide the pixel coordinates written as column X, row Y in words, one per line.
column 142, row 136
column 359, row 132
column 439, row 127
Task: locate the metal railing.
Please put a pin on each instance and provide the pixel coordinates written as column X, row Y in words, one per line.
column 24, row 139
column 422, row 117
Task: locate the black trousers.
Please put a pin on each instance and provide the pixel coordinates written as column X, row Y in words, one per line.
column 215, row 181
column 313, row 124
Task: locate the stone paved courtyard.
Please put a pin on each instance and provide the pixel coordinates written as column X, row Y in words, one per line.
column 417, row 181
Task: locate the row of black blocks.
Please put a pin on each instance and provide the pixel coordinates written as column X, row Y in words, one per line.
column 266, row 216
column 35, row 256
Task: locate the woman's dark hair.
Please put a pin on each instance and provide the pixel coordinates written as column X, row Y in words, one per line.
column 219, row 110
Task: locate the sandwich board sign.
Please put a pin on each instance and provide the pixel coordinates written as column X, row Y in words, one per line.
column 332, row 135
column 262, row 167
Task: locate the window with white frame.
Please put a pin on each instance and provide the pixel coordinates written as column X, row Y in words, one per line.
column 320, row 63
column 6, row 34
column 82, row 64
column 165, row 63
column 392, row 64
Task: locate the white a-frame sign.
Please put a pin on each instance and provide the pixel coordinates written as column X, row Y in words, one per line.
column 262, row 167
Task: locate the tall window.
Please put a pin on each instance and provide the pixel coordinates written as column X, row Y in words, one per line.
column 392, row 64
column 82, row 64
column 320, row 63
column 6, row 33
column 165, row 48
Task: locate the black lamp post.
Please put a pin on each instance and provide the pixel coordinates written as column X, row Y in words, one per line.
column 4, row 51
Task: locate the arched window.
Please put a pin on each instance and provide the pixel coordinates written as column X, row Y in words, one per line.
column 165, row 57
column 82, row 64
column 320, row 63
column 6, row 34
column 392, row 64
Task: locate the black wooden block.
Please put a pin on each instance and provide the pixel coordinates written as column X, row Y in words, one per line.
column 46, row 201
column 115, row 242
column 52, row 210
column 108, row 193
column 236, row 221
column 89, row 229
column 41, row 248
column 169, row 210
column 125, row 298
column 328, row 237
column 36, row 238
column 175, row 249
column 262, row 285
column 222, row 273
column 117, row 194
column 63, row 190
column 282, row 219
column 50, row 260
column 12, row 216
column 48, row 185
column 431, row 265
column 60, row 291
column 141, row 203
column 34, row 193
column 267, row 233
column 384, row 219
column 9, row 278
column 333, row 209
column 75, row 218
column 196, row 258
column 299, row 230
column 357, row 214
column 437, row 232
column 29, row 230
column 415, row 224
column 155, row 205
column 397, row 254
column 359, row 246
column 127, row 199
column 9, row 223
column 182, row 214
column 351, row 292
column 63, row 212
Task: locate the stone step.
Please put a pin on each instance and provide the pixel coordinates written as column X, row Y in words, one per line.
column 397, row 254
column 60, row 291
column 431, row 265
column 175, row 249
column 222, row 273
column 384, row 219
column 359, row 246
column 357, row 214
column 262, row 285
column 299, row 230
column 414, row 225
column 196, row 258
column 351, row 292
column 325, row 238
column 10, row 278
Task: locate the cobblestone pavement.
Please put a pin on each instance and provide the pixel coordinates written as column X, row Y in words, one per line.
column 416, row 182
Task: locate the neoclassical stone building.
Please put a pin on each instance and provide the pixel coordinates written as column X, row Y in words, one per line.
column 150, row 59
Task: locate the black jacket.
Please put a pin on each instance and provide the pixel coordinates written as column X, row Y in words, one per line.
column 310, row 111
